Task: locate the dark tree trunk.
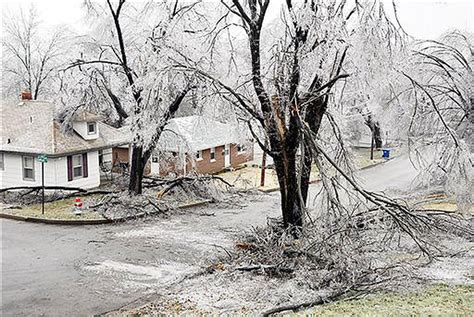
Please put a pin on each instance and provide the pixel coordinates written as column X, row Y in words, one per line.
column 140, row 156
column 137, row 170
column 291, row 205
column 374, row 127
column 280, row 115
column 313, row 117
column 117, row 106
column 377, row 136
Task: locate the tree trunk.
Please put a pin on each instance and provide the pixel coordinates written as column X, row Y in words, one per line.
column 291, row 205
column 374, row 127
column 141, row 157
column 377, row 136
column 313, row 117
column 137, row 170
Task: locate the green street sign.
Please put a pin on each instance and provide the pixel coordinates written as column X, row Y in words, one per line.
column 43, row 158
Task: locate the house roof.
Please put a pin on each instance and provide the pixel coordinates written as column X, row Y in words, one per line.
column 194, row 133
column 85, row 116
column 30, row 127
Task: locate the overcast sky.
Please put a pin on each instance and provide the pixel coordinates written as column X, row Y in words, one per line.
column 424, row 19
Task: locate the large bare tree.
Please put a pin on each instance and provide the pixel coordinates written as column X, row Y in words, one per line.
column 137, row 55
column 295, row 85
column 31, row 57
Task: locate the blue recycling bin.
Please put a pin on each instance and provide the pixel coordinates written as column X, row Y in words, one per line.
column 386, row 153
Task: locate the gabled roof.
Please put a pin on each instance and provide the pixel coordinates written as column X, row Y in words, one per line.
column 85, row 116
column 194, row 133
column 30, row 127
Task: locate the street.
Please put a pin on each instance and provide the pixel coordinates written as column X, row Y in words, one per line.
column 52, row 270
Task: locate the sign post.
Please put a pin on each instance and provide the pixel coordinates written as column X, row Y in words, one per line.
column 43, row 159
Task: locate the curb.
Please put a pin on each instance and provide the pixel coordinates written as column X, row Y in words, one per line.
column 74, row 222
column 82, row 222
column 274, row 189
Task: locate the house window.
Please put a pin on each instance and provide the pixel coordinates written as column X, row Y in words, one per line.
column 28, row 168
column 199, row 155
column 240, row 148
column 2, row 164
column 91, row 128
column 77, row 166
column 213, row 154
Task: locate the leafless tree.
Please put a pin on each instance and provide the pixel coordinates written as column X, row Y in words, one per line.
column 31, row 58
column 138, row 58
column 307, row 63
column 437, row 106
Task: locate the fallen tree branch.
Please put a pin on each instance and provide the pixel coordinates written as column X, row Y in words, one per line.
column 264, row 267
column 33, row 188
column 318, row 301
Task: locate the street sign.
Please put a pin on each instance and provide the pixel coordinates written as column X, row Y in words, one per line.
column 43, row 158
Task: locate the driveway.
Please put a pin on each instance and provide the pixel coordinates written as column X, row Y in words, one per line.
column 75, row 271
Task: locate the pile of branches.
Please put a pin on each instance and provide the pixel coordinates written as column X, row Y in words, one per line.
column 208, row 187
column 353, row 241
column 121, row 205
column 160, row 195
column 348, row 257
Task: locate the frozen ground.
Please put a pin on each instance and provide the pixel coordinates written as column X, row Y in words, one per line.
column 76, row 271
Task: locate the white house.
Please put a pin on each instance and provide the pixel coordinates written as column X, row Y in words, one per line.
column 28, row 129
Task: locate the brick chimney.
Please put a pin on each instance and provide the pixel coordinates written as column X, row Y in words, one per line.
column 26, row 95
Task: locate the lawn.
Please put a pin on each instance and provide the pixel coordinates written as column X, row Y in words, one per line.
column 437, row 300
column 249, row 177
column 60, row 209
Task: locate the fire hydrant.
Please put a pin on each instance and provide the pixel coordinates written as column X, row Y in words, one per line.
column 77, row 206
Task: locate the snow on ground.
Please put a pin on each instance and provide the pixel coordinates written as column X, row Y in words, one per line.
column 135, row 277
column 455, row 271
column 177, row 230
column 82, row 271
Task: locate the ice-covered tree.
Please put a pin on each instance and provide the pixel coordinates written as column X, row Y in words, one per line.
column 435, row 110
column 295, row 75
column 32, row 55
column 127, row 62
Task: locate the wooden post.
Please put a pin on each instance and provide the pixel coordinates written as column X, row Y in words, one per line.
column 372, row 145
column 264, row 166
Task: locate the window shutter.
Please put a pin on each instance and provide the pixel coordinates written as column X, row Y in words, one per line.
column 69, row 168
column 85, row 168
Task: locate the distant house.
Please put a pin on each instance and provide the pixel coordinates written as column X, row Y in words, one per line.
column 29, row 129
column 200, row 144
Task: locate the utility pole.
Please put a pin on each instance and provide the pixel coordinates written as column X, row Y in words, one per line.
column 372, row 145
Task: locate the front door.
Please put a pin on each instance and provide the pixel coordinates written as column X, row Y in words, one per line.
column 227, row 155
column 155, row 165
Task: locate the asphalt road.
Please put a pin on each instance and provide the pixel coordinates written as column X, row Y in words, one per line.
column 52, row 270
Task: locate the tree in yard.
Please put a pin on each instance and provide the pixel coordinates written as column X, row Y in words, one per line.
column 128, row 62
column 297, row 82
column 436, row 107
column 31, row 58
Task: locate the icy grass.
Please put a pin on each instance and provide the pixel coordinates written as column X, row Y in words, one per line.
column 437, row 300
column 249, row 177
column 59, row 209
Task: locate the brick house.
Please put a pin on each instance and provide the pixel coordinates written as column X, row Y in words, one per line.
column 199, row 144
